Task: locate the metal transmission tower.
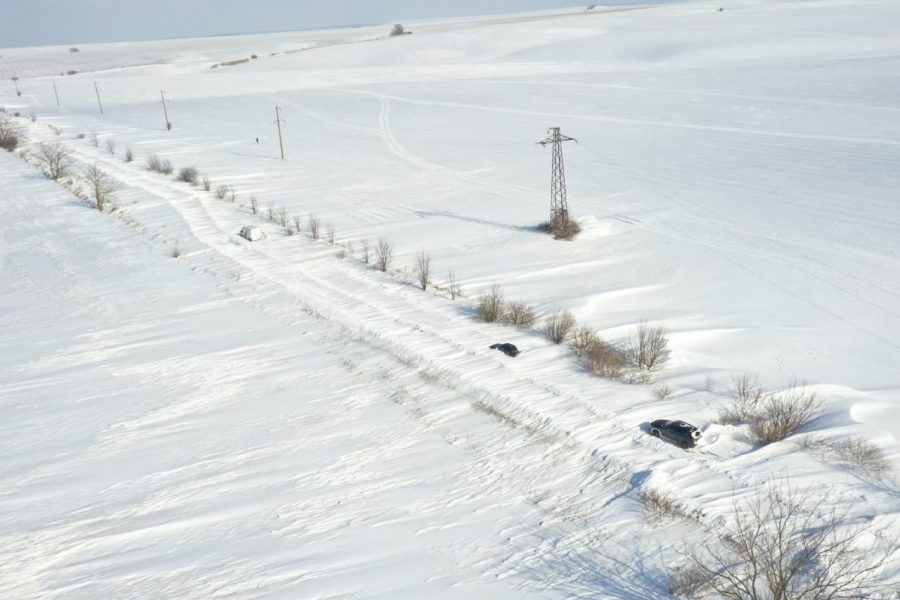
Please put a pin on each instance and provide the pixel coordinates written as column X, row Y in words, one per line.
column 559, row 207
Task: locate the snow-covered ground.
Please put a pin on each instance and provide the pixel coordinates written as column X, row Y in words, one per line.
column 270, row 420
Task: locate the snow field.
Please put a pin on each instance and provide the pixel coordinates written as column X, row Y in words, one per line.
column 715, row 179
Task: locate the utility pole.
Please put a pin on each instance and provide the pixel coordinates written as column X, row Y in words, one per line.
column 15, row 81
column 97, row 91
column 559, row 207
column 56, row 93
column 278, row 122
column 162, row 95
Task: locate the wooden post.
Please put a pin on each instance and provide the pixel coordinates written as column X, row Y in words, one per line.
column 56, row 93
column 278, row 123
column 165, row 110
column 97, row 91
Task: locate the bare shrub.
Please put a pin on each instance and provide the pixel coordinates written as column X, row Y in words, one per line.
column 329, row 235
column 648, row 348
column 491, row 306
column 55, row 160
column 858, row 452
column 606, row 360
column 298, row 225
column 384, row 255
column 780, row 414
column 313, row 226
column 206, row 184
column 270, row 212
column 232, row 194
column 687, row 581
column 111, row 146
column 222, row 191
column 158, row 165
column 582, row 340
column 862, row 454
column 422, row 269
column 101, row 187
column 566, row 230
column 747, row 388
column 56, row 130
column 785, row 544
column 364, row 245
column 189, row 175
column 453, row 286
column 176, row 251
column 129, row 155
column 519, row 314
column 80, row 136
column 281, row 216
column 559, row 326
column 560, row 229
column 10, row 134
column 662, row 392
column 660, row 505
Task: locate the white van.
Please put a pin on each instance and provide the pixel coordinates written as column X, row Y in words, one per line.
column 252, row 233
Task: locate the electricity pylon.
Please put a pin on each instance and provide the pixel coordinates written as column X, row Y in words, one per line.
column 559, row 207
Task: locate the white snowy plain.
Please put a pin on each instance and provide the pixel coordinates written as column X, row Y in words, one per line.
column 269, row 420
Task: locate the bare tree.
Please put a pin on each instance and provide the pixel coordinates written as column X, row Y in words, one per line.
column 10, row 134
column 330, row 235
column 558, row 326
column 786, row 545
column 222, row 191
column 384, row 255
column 312, row 226
column 101, row 187
column 519, row 314
column 55, row 159
column 491, row 305
column 364, row 245
column 422, row 269
column 747, row 388
column 206, row 184
column 605, row 360
column 648, row 348
column 129, row 155
column 582, row 340
column 281, row 216
column 111, row 146
column 453, row 286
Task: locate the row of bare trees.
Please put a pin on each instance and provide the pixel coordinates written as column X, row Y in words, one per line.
column 98, row 187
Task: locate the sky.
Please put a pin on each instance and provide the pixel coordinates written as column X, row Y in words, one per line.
column 49, row 22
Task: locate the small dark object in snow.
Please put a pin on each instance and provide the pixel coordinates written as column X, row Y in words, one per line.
column 507, row 349
column 679, row 433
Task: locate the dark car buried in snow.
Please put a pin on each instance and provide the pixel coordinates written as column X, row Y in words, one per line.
column 678, row 432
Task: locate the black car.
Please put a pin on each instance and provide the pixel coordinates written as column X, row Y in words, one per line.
column 678, row 432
